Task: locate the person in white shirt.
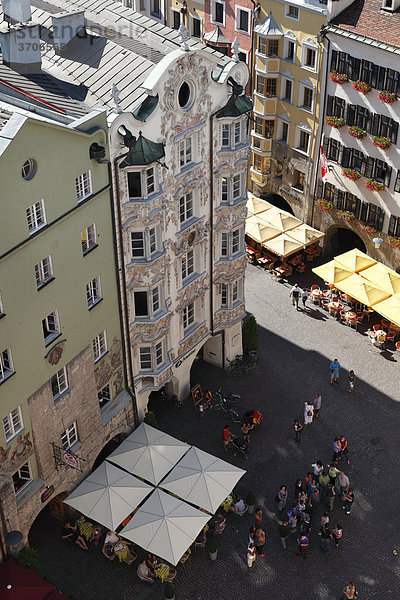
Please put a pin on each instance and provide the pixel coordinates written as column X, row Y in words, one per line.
column 308, row 413
column 239, row 506
column 295, row 294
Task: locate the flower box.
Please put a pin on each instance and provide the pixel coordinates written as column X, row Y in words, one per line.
column 346, row 215
column 388, row 97
column 325, row 204
column 357, row 132
column 351, row 174
column 362, row 87
column 393, row 241
column 336, row 122
column 338, row 77
column 375, row 186
column 382, row 142
column 368, row 228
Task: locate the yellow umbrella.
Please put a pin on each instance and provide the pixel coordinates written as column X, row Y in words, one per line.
column 363, row 291
column 390, row 309
column 332, row 272
column 259, row 231
column 385, row 278
column 280, row 219
column 284, row 245
column 355, row 260
column 305, row 234
column 256, row 205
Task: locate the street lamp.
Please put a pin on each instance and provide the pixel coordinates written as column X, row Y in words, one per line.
column 377, row 242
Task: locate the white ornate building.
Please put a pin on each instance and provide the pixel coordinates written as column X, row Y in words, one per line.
column 180, row 162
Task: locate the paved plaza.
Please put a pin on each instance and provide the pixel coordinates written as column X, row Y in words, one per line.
column 295, row 352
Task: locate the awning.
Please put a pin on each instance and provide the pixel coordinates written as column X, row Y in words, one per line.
column 202, row 479
column 259, row 231
column 384, row 277
column 256, row 205
column 332, row 272
column 280, row 219
column 20, row 583
column 305, row 234
column 362, row 290
column 165, row 526
column 390, row 309
column 355, row 260
column 283, row 245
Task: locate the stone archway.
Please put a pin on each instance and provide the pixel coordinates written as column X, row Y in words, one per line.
column 278, row 201
column 339, row 239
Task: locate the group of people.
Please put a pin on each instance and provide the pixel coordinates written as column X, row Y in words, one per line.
column 71, row 531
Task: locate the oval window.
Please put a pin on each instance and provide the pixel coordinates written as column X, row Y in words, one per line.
column 28, row 169
column 184, row 95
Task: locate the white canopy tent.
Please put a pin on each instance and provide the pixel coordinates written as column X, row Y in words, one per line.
column 165, row 526
column 149, row 453
column 202, row 479
column 108, row 495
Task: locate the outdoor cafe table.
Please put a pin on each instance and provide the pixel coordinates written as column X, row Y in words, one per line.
column 227, row 504
column 86, row 530
column 317, row 294
column 350, row 316
column 121, row 549
column 335, row 306
column 162, row 571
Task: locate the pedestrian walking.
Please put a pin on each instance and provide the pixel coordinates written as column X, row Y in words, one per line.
column 259, row 541
column 333, row 472
column 335, row 369
column 344, row 448
column 352, row 379
column 303, row 544
column 308, row 413
column 251, row 554
column 318, row 468
column 324, row 520
column 295, row 293
column 330, row 494
column 348, row 500
column 343, row 483
column 337, row 450
column 292, row 516
column 305, row 525
column 284, row 530
column 323, row 481
column 317, row 405
column 304, row 297
column 326, row 537
column 315, row 498
column 252, row 532
column 282, row 495
column 337, row 533
column 258, row 516
column 350, row 592
column 226, row 437
column 297, row 428
column 298, row 488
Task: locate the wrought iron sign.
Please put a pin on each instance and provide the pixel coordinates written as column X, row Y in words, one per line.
column 66, row 458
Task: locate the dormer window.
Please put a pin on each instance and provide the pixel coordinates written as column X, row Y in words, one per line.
column 141, row 183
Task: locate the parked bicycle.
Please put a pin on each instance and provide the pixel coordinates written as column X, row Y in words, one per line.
column 224, row 405
column 219, row 396
column 241, row 365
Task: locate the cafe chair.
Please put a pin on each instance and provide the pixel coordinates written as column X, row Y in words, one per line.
column 398, row 346
column 200, row 544
column 377, row 327
column 314, row 287
column 185, row 556
column 324, row 303
column 171, row 576
column 310, row 257
column 130, row 558
column 301, row 268
column 390, row 336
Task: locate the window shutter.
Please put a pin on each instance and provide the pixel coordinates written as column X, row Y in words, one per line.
column 364, row 211
column 375, row 124
column 369, row 169
column 392, row 225
column 320, row 189
column 355, row 66
column 325, row 145
column 368, row 122
column 340, row 199
column 375, row 75
column 380, row 84
column 334, row 60
column 345, row 157
column 363, row 165
column 380, row 219
column 329, row 106
column 351, row 113
column 335, row 197
column 393, row 133
column 388, row 175
column 357, row 208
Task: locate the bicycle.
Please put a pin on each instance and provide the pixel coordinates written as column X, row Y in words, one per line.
column 223, row 405
column 241, row 365
column 220, row 396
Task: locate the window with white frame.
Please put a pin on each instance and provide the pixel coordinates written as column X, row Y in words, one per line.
column 287, row 89
column 232, row 134
column 159, row 354
column 99, row 346
column 145, row 358
column 283, row 131
column 13, row 424
column 144, row 243
column 309, row 55
column 235, row 241
column 137, row 244
column 59, row 382
column 218, row 12
column 306, row 97
column 188, row 315
column 69, row 437
column 93, row 292
column 155, row 8
column 187, row 264
column 89, row 239
column 292, row 11
column 195, row 27
column 302, row 140
column 22, row 477
column 175, row 18
column 83, row 186
column 6, row 364
column 243, row 56
column 44, row 272
column 243, row 19
column 51, row 327
column 147, row 303
column 141, row 183
column 231, row 243
column 231, row 188
column 151, row 357
column 186, row 207
column 104, row 396
column 185, row 151
column 36, row 216
column 289, row 47
column 235, row 291
column 224, row 295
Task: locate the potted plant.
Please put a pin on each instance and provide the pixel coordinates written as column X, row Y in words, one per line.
column 362, row 87
column 357, row 132
column 382, row 142
column 251, row 336
column 368, row 228
column 325, row 204
column 346, row 215
column 336, row 122
column 150, row 419
column 212, row 548
column 375, row 186
column 338, row 77
column 28, row 557
column 250, row 501
column 169, row 591
column 351, row 173
column 387, row 97
column 393, row 241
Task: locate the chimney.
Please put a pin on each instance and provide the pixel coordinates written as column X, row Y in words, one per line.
column 17, row 11
column 20, row 46
column 66, row 27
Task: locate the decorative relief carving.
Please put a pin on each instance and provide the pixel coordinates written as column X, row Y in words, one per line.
column 149, row 332
column 118, row 383
column 227, row 270
column 115, row 353
column 10, row 461
column 192, row 291
column 193, row 339
column 103, row 372
column 145, row 275
column 228, row 316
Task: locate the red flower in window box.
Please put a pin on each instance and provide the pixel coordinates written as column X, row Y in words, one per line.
column 357, row 132
column 393, row 241
column 382, row 142
column 368, row 228
column 375, row 186
column 336, row 122
column 325, row 204
column 338, row 77
column 388, row 97
column 351, row 174
column 346, row 215
column 362, row 87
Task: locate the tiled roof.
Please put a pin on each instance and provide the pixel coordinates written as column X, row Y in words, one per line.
column 364, row 17
column 268, row 26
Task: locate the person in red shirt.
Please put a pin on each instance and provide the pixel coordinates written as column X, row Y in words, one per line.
column 226, row 437
column 344, row 448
